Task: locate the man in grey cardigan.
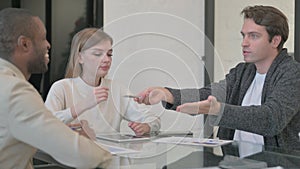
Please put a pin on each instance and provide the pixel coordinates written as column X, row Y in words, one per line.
column 259, row 100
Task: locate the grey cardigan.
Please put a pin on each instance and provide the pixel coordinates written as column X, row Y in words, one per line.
column 277, row 118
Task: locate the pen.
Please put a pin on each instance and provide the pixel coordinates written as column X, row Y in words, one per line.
column 131, row 96
column 209, row 141
column 76, row 128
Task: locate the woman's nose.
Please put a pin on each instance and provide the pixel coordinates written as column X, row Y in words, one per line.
column 106, row 58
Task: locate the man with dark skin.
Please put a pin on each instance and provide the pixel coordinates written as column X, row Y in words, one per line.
column 25, row 123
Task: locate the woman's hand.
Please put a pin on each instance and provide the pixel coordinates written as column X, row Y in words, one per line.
column 139, row 128
column 83, row 129
column 98, row 95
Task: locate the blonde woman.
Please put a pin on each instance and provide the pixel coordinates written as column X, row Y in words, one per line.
column 85, row 93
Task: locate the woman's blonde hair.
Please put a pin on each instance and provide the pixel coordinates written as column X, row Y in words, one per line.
column 81, row 41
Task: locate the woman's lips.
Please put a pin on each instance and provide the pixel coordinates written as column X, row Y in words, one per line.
column 105, row 68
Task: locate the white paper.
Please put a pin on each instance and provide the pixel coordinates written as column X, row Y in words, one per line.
column 193, row 141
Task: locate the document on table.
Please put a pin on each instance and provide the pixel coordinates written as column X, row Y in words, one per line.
column 193, row 141
column 117, row 137
column 116, row 150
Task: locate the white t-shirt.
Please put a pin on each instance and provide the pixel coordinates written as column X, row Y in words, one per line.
column 252, row 97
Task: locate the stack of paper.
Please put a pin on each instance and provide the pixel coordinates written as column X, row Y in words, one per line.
column 193, row 141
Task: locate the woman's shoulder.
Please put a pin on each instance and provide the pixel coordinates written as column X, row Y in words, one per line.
column 65, row 82
column 62, row 81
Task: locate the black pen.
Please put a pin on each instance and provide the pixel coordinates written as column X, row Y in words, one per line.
column 131, row 96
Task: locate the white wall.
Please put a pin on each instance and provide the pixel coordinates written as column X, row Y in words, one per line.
column 228, row 23
column 158, row 43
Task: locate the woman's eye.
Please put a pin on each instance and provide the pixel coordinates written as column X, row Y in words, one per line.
column 98, row 54
column 109, row 53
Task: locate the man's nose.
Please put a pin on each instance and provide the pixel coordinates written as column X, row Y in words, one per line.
column 245, row 41
column 48, row 45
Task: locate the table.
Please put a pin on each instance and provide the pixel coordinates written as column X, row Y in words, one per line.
column 271, row 156
column 153, row 155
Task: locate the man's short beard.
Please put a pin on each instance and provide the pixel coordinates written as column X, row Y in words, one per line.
column 37, row 68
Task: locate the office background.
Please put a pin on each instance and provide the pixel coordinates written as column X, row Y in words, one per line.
column 216, row 45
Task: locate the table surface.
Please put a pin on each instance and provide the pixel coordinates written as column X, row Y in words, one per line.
column 165, row 155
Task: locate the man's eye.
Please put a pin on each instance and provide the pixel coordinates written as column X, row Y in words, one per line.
column 243, row 34
column 254, row 36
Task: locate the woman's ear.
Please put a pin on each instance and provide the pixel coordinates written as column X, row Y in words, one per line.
column 80, row 59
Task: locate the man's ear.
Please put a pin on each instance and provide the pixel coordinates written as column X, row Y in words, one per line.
column 24, row 43
column 276, row 41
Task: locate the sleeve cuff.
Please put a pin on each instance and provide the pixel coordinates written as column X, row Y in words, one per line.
column 68, row 116
column 214, row 120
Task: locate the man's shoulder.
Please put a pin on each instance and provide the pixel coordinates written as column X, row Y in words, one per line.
column 11, row 82
column 289, row 65
column 14, row 87
column 243, row 67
